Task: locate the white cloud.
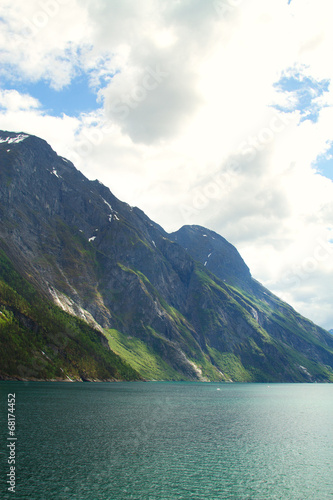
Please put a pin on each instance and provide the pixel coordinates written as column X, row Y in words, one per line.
column 13, row 101
column 22, row 113
column 39, row 40
column 186, row 129
column 154, row 93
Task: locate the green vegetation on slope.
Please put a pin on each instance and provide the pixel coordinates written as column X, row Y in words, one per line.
column 141, row 357
column 231, row 366
column 290, row 325
column 38, row 340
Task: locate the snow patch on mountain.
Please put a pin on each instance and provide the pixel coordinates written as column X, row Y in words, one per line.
column 108, row 204
column 14, row 140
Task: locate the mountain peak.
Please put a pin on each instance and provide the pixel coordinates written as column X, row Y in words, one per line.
column 12, row 137
column 179, row 306
column 214, row 252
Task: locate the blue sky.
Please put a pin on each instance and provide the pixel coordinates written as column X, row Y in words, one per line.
column 303, row 93
column 74, row 99
column 324, row 163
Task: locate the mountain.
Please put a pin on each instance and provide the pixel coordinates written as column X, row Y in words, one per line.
column 91, row 288
column 215, row 253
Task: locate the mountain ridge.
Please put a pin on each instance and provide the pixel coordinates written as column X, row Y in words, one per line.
column 178, row 306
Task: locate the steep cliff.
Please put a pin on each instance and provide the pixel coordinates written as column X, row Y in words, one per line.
column 178, row 306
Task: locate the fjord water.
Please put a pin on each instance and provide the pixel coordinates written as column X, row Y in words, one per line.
column 170, row 441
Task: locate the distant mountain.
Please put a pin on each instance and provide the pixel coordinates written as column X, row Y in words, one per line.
column 331, row 331
column 215, row 253
column 91, row 288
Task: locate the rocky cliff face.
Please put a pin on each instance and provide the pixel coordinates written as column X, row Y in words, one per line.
column 215, row 253
column 178, row 306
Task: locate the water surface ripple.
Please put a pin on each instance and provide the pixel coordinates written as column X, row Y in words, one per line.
column 170, row 441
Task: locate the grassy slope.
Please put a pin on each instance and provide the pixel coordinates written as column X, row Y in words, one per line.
column 40, row 341
column 142, row 358
column 285, row 317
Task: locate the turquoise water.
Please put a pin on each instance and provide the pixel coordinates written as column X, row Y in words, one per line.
column 170, row 441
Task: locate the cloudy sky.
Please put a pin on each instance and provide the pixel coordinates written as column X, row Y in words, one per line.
column 210, row 112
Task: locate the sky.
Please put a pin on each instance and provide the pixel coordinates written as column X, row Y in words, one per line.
column 209, row 112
